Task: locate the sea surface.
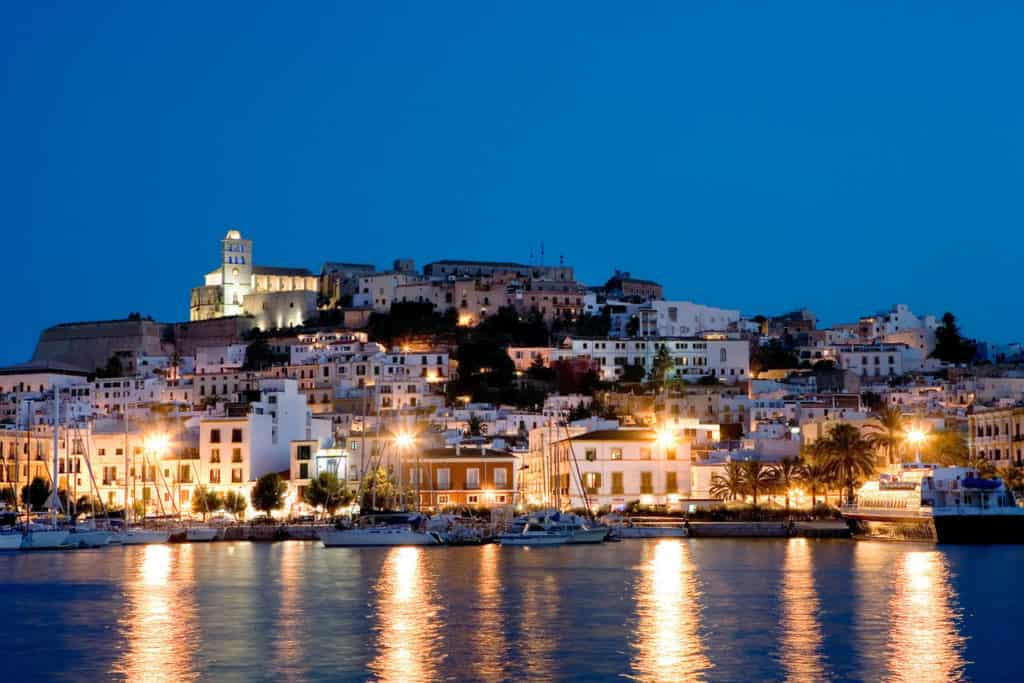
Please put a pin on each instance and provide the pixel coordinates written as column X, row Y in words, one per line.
column 654, row 610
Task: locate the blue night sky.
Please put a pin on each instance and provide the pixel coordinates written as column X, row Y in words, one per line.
column 842, row 157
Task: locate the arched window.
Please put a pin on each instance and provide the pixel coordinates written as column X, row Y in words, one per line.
column 722, row 355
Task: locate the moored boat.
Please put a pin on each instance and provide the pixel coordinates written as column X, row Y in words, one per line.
column 535, row 532
column 382, row 530
column 918, row 502
column 86, row 538
column 10, row 540
column 43, row 539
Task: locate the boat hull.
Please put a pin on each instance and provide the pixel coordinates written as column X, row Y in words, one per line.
column 87, row 539
column 200, row 534
column 528, row 540
column 596, row 535
column 966, row 529
column 11, row 541
column 374, row 538
column 141, row 537
column 43, row 540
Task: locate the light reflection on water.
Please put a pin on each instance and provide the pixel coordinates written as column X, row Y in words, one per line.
column 800, row 646
column 651, row 610
column 489, row 638
column 925, row 645
column 668, row 643
column 407, row 632
column 158, row 621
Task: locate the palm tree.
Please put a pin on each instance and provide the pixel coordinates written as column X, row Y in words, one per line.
column 785, row 472
column 887, row 432
column 816, row 476
column 757, row 477
column 731, row 484
column 850, row 455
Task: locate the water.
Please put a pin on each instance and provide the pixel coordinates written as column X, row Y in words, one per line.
column 729, row 610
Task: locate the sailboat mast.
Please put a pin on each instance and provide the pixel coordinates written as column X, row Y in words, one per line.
column 55, row 478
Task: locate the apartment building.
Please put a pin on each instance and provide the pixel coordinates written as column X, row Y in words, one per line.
column 997, row 435
column 693, row 357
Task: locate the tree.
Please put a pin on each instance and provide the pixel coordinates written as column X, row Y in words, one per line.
column 772, row 356
column 8, row 497
column 887, row 433
column 258, row 355
column 662, row 365
column 946, row 448
column 378, row 490
column 1012, row 476
column 708, row 381
column 871, row 400
column 327, row 492
column 850, row 455
column 36, row 494
column 474, row 424
column 540, row 372
column 816, row 477
column 756, row 477
column 950, row 346
column 113, row 368
column 236, row 504
column 633, row 327
column 633, row 373
column 205, row 501
column 785, row 472
column 268, row 494
column 730, row 485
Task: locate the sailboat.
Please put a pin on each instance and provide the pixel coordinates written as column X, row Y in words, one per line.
column 48, row 536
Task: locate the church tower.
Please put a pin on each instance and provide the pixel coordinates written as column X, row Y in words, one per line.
column 236, row 271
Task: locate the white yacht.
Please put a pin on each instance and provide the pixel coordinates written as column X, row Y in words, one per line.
column 578, row 529
column 382, row 530
column 535, row 533
column 10, row 539
column 201, row 534
column 86, row 538
column 141, row 536
column 43, row 538
column 919, row 502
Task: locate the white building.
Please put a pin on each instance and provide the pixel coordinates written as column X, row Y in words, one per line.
column 619, row 466
column 683, row 319
column 693, row 357
column 222, row 358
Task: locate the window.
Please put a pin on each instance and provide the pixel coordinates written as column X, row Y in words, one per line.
column 671, row 482
column 473, row 499
column 236, row 475
column 236, row 455
column 444, row 479
column 670, row 453
column 591, row 454
column 236, row 436
column 442, row 499
column 616, row 454
column 645, row 453
column 592, row 482
column 214, row 436
column 215, row 476
column 617, row 488
column 302, row 452
column 646, row 482
column 472, row 478
column 120, row 451
column 214, row 456
column 303, row 470
column 500, row 478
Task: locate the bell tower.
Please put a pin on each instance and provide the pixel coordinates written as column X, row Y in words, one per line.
column 236, row 269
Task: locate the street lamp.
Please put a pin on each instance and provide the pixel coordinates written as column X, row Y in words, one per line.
column 403, row 441
column 915, row 437
column 666, row 438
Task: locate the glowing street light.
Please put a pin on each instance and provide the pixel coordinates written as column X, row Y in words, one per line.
column 404, row 440
column 915, row 437
column 156, row 443
column 666, row 437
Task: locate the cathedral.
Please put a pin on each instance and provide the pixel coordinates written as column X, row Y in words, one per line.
column 275, row 297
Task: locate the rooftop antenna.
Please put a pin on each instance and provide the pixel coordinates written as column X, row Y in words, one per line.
column 542, row 253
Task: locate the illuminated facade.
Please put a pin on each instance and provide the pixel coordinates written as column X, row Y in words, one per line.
column 275, row 297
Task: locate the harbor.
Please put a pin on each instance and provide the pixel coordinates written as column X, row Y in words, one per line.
column 658, row 609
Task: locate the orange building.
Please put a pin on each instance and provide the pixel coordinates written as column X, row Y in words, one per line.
column 459, row 476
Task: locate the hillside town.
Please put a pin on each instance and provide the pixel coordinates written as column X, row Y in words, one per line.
column 479, row 385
